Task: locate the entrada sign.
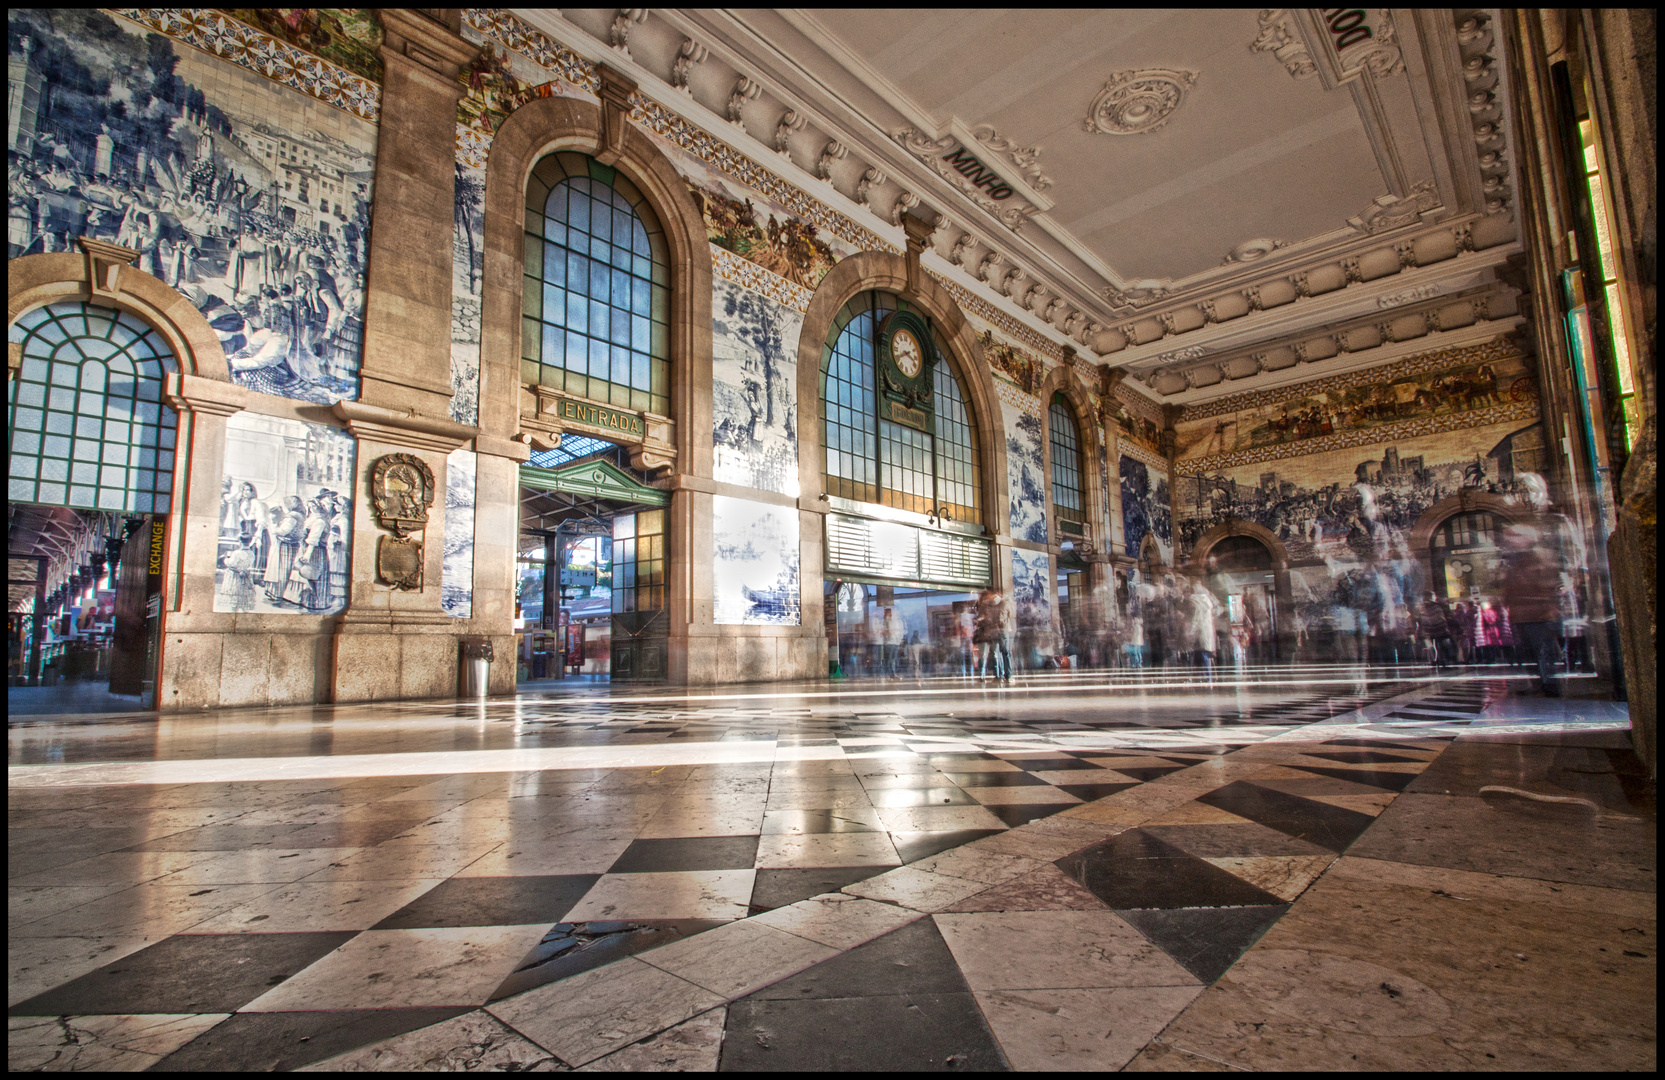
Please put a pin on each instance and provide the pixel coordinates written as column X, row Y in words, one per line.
column 625, row 423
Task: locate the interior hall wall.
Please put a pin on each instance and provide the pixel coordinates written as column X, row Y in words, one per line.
column 1312, row 463
column 240, row 167
column 771, row 245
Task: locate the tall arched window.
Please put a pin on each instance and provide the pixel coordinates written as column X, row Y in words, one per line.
column 596, row 308
column 1069, row 500
column 88, row 427
column 871, row 459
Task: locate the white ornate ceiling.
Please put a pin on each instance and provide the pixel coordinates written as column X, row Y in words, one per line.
column 1202, row 197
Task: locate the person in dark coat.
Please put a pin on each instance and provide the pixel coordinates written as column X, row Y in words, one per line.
column 1532, row 596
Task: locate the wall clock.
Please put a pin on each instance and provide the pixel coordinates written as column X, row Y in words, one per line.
column 906, row 363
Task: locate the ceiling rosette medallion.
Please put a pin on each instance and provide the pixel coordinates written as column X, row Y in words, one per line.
column 1137, row 102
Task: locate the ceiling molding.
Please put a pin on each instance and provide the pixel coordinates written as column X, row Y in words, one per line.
column 829, row 117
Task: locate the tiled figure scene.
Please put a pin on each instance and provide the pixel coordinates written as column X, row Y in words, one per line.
column 1046, row 878
column 254, row 204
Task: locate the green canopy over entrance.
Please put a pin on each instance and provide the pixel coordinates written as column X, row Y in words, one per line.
column 595, row 480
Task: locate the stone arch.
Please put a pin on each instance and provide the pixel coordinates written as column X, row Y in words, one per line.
column 1240, row 527
column 1465, row 501
column 36, row 280
column 1281, row 587
column 1420, row 540
column 202, row 393
column 886, row 272
column 544, row 126
column 1152, row 552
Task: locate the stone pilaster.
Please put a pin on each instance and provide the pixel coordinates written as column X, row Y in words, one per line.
column 407, row 319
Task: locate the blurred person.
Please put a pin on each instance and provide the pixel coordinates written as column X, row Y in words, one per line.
column 1461, row 628
column 1434, row 629
column 965, row 638
column 1488, row 636
column 892, row 632
column 1531, row 589
column 989, row 635
column 1204, row 609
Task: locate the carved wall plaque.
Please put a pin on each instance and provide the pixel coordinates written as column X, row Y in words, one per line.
column 399, row 562
column 402, row 488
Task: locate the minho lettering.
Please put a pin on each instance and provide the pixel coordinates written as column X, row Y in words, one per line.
column 979, row 174
column 1346, row 26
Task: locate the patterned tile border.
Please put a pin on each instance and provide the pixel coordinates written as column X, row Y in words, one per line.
column 473, row 146
column 714, row 151
column 1138, row 452
column 1139, row 404
column 1387, row 433
column 1499, row 348
column 259, row 52
column 507, row 30
column 1001, row 321
column 731, row 267
column 1012, row 394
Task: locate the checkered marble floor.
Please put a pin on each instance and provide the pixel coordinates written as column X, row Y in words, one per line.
column 921, row 872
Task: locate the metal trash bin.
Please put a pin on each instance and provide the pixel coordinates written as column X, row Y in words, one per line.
column 474, row 667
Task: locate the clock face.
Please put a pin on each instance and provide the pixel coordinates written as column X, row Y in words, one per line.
column 905, row 348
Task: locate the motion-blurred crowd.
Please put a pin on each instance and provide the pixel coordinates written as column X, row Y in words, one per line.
column 1380, row 609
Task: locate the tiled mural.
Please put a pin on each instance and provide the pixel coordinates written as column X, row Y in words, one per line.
column 1444, row 390
column 251, row 200
column 286, row 519
column 1026, row 474
column 1031, row 604
column 754, row 376
column 1324, row 504
column 457, row 584
column 754, row 563
column 1146, row 510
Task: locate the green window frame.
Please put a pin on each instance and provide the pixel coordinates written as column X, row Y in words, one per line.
column 596, row 301
column 89, row 427
column 1069, row 500
column 869, row 459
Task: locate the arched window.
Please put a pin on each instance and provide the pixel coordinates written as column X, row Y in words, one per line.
column 871, row 459
column 596, row 309
column 88, row 427
column 1069, row 499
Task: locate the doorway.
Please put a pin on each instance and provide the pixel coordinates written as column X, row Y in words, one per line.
column 1242, row 575
column 590, row 595
column 90, row 463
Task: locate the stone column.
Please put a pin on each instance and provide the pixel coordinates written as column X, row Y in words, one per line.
column 192, row 647
column 407, row 317
column 397, row 642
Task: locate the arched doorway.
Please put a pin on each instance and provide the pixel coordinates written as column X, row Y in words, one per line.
column 90, row 463
column 595, row 350
column 1243, row 574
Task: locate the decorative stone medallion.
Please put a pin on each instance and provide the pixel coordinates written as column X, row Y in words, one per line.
column 1136, row 102
column 402, row 488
